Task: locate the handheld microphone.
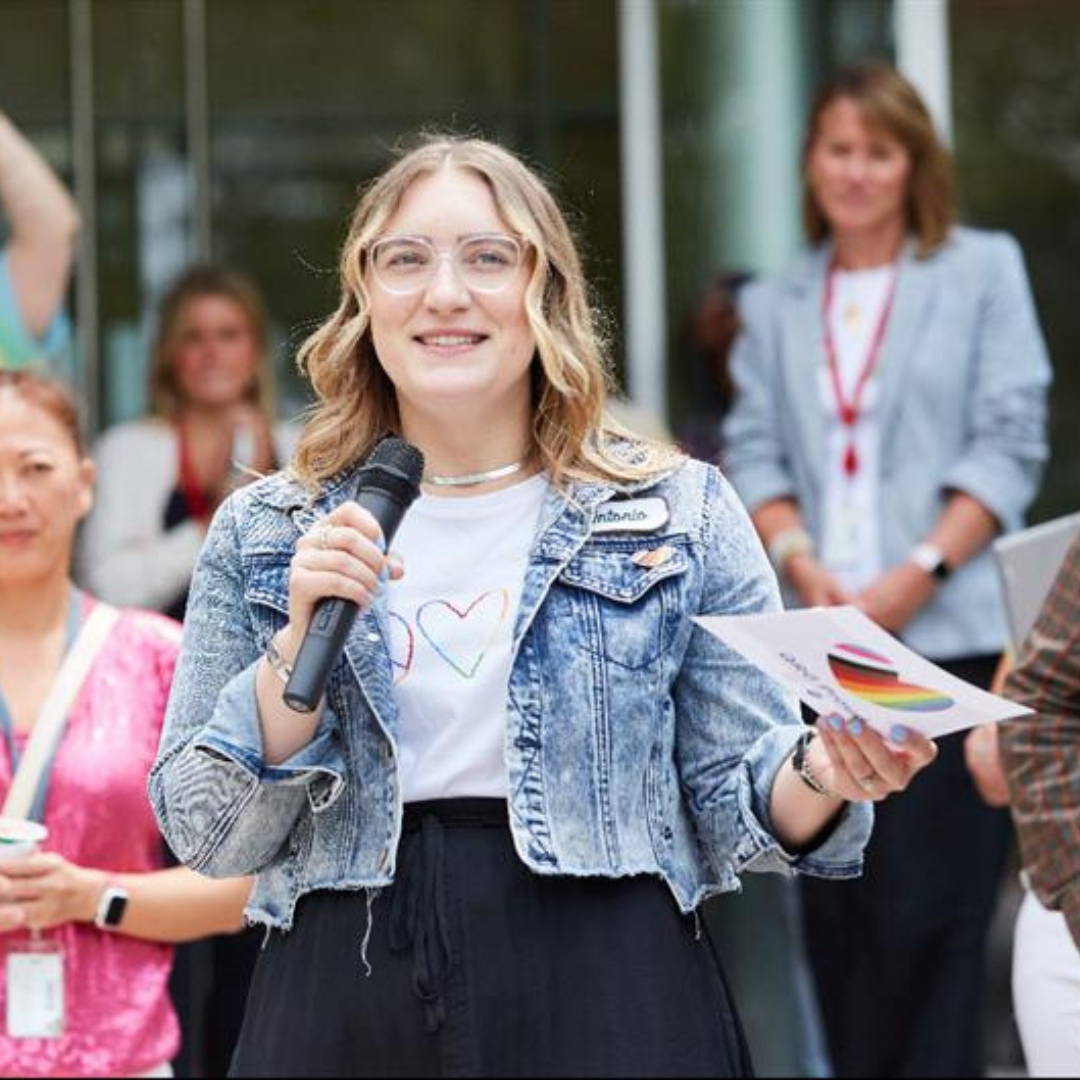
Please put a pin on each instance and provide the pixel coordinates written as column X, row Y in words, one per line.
column 387, row 486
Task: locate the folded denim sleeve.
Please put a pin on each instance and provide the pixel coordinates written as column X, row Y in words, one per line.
column 222, row 809
column 737, row 727
column 839, row 855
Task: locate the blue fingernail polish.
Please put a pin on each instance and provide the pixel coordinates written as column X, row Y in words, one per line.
column 900, row 734
column 836, row 723
column 856, row 727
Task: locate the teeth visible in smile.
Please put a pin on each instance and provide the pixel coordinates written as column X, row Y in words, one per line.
column 451, row 342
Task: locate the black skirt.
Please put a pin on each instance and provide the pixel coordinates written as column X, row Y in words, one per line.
column 470, row 965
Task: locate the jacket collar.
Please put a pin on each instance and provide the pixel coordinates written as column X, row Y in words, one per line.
column 284, row 492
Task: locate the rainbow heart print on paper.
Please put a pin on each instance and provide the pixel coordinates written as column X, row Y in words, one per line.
column 874, row 678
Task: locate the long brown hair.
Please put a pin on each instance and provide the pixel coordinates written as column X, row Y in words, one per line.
column 51, row 397
column 197, row 283
column 890, row 103
column 573, row 436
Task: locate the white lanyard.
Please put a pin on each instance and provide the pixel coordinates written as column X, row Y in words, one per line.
column 32, row 772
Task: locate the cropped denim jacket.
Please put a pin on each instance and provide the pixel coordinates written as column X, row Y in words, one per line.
column 636, row 744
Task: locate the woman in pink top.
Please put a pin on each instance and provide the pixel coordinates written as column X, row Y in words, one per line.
column 103, row 846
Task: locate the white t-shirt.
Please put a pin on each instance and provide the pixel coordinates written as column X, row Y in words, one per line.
column 452, row 635
column 852, row 543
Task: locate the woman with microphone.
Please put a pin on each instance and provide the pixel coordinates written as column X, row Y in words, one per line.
column 481, row 854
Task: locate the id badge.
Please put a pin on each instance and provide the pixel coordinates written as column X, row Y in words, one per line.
column 35, row 990
column 844, row 536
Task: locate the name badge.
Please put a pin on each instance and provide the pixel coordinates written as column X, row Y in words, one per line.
column 633, row 516
column 35, row 992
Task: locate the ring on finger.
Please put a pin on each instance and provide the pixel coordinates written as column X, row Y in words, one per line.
column 324, row 534
column 868, row 783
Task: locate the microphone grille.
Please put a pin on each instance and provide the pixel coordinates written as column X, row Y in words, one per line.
column 397, row 454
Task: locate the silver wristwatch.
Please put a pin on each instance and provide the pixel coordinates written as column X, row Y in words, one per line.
column 931, row 558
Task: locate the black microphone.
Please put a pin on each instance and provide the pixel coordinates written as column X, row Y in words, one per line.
column 387, row 486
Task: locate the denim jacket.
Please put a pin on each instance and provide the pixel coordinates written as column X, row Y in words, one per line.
column 636, row 743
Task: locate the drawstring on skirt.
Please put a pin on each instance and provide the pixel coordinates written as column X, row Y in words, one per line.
column 419, row 915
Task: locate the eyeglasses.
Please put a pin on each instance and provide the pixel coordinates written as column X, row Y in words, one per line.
column 408, row 264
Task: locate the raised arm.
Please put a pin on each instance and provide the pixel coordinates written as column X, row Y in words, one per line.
column 44, row 223
column 223, row 808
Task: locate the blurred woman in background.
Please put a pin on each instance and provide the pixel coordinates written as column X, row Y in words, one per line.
column 890, row 422
column 99, row 892
column 212, row 427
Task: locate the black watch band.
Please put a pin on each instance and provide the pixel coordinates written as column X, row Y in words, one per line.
column 932, row 559
column 112, row 908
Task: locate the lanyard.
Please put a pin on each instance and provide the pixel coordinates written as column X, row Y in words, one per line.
column 7, row 724
column 850, row 409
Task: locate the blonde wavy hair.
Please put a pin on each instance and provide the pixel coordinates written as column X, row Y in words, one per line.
column 574, row 438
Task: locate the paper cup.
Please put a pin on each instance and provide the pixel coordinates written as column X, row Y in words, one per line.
column 20, row 839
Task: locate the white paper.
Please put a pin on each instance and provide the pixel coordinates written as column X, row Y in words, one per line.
column 35, row 995
column 837, row 660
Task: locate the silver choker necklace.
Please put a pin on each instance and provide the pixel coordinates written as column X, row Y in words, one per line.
column 476, row 479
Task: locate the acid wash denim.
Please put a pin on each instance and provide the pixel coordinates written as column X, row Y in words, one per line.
column 636, row 743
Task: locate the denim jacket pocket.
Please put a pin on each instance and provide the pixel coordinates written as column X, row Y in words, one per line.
column 624, row 595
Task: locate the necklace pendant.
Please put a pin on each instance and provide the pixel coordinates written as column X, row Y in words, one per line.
column 851, row 462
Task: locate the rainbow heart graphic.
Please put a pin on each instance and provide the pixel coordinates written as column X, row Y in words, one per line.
column 874, row 678
column 474, row 630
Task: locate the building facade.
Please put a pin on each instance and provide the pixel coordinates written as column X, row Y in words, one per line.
column 239, row 131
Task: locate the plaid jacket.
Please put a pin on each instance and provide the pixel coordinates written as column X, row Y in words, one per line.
column 1042, row 752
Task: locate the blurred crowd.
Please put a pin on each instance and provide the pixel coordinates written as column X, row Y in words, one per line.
column 880, row 406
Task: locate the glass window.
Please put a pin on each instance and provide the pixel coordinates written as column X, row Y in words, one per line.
column 1017, row 100
column 738, row 81
column 336, row 84
column 35, row 83
column 143, row 185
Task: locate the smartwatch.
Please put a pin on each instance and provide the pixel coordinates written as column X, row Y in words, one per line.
column 112, row 908
column 932, row 559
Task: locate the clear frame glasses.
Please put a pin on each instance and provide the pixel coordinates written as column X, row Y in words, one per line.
column 488, row 263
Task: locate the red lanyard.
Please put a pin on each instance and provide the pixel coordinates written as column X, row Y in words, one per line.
column 850, row 409
column 198, row 503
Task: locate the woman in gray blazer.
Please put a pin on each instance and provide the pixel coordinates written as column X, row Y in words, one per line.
column 890, row 422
